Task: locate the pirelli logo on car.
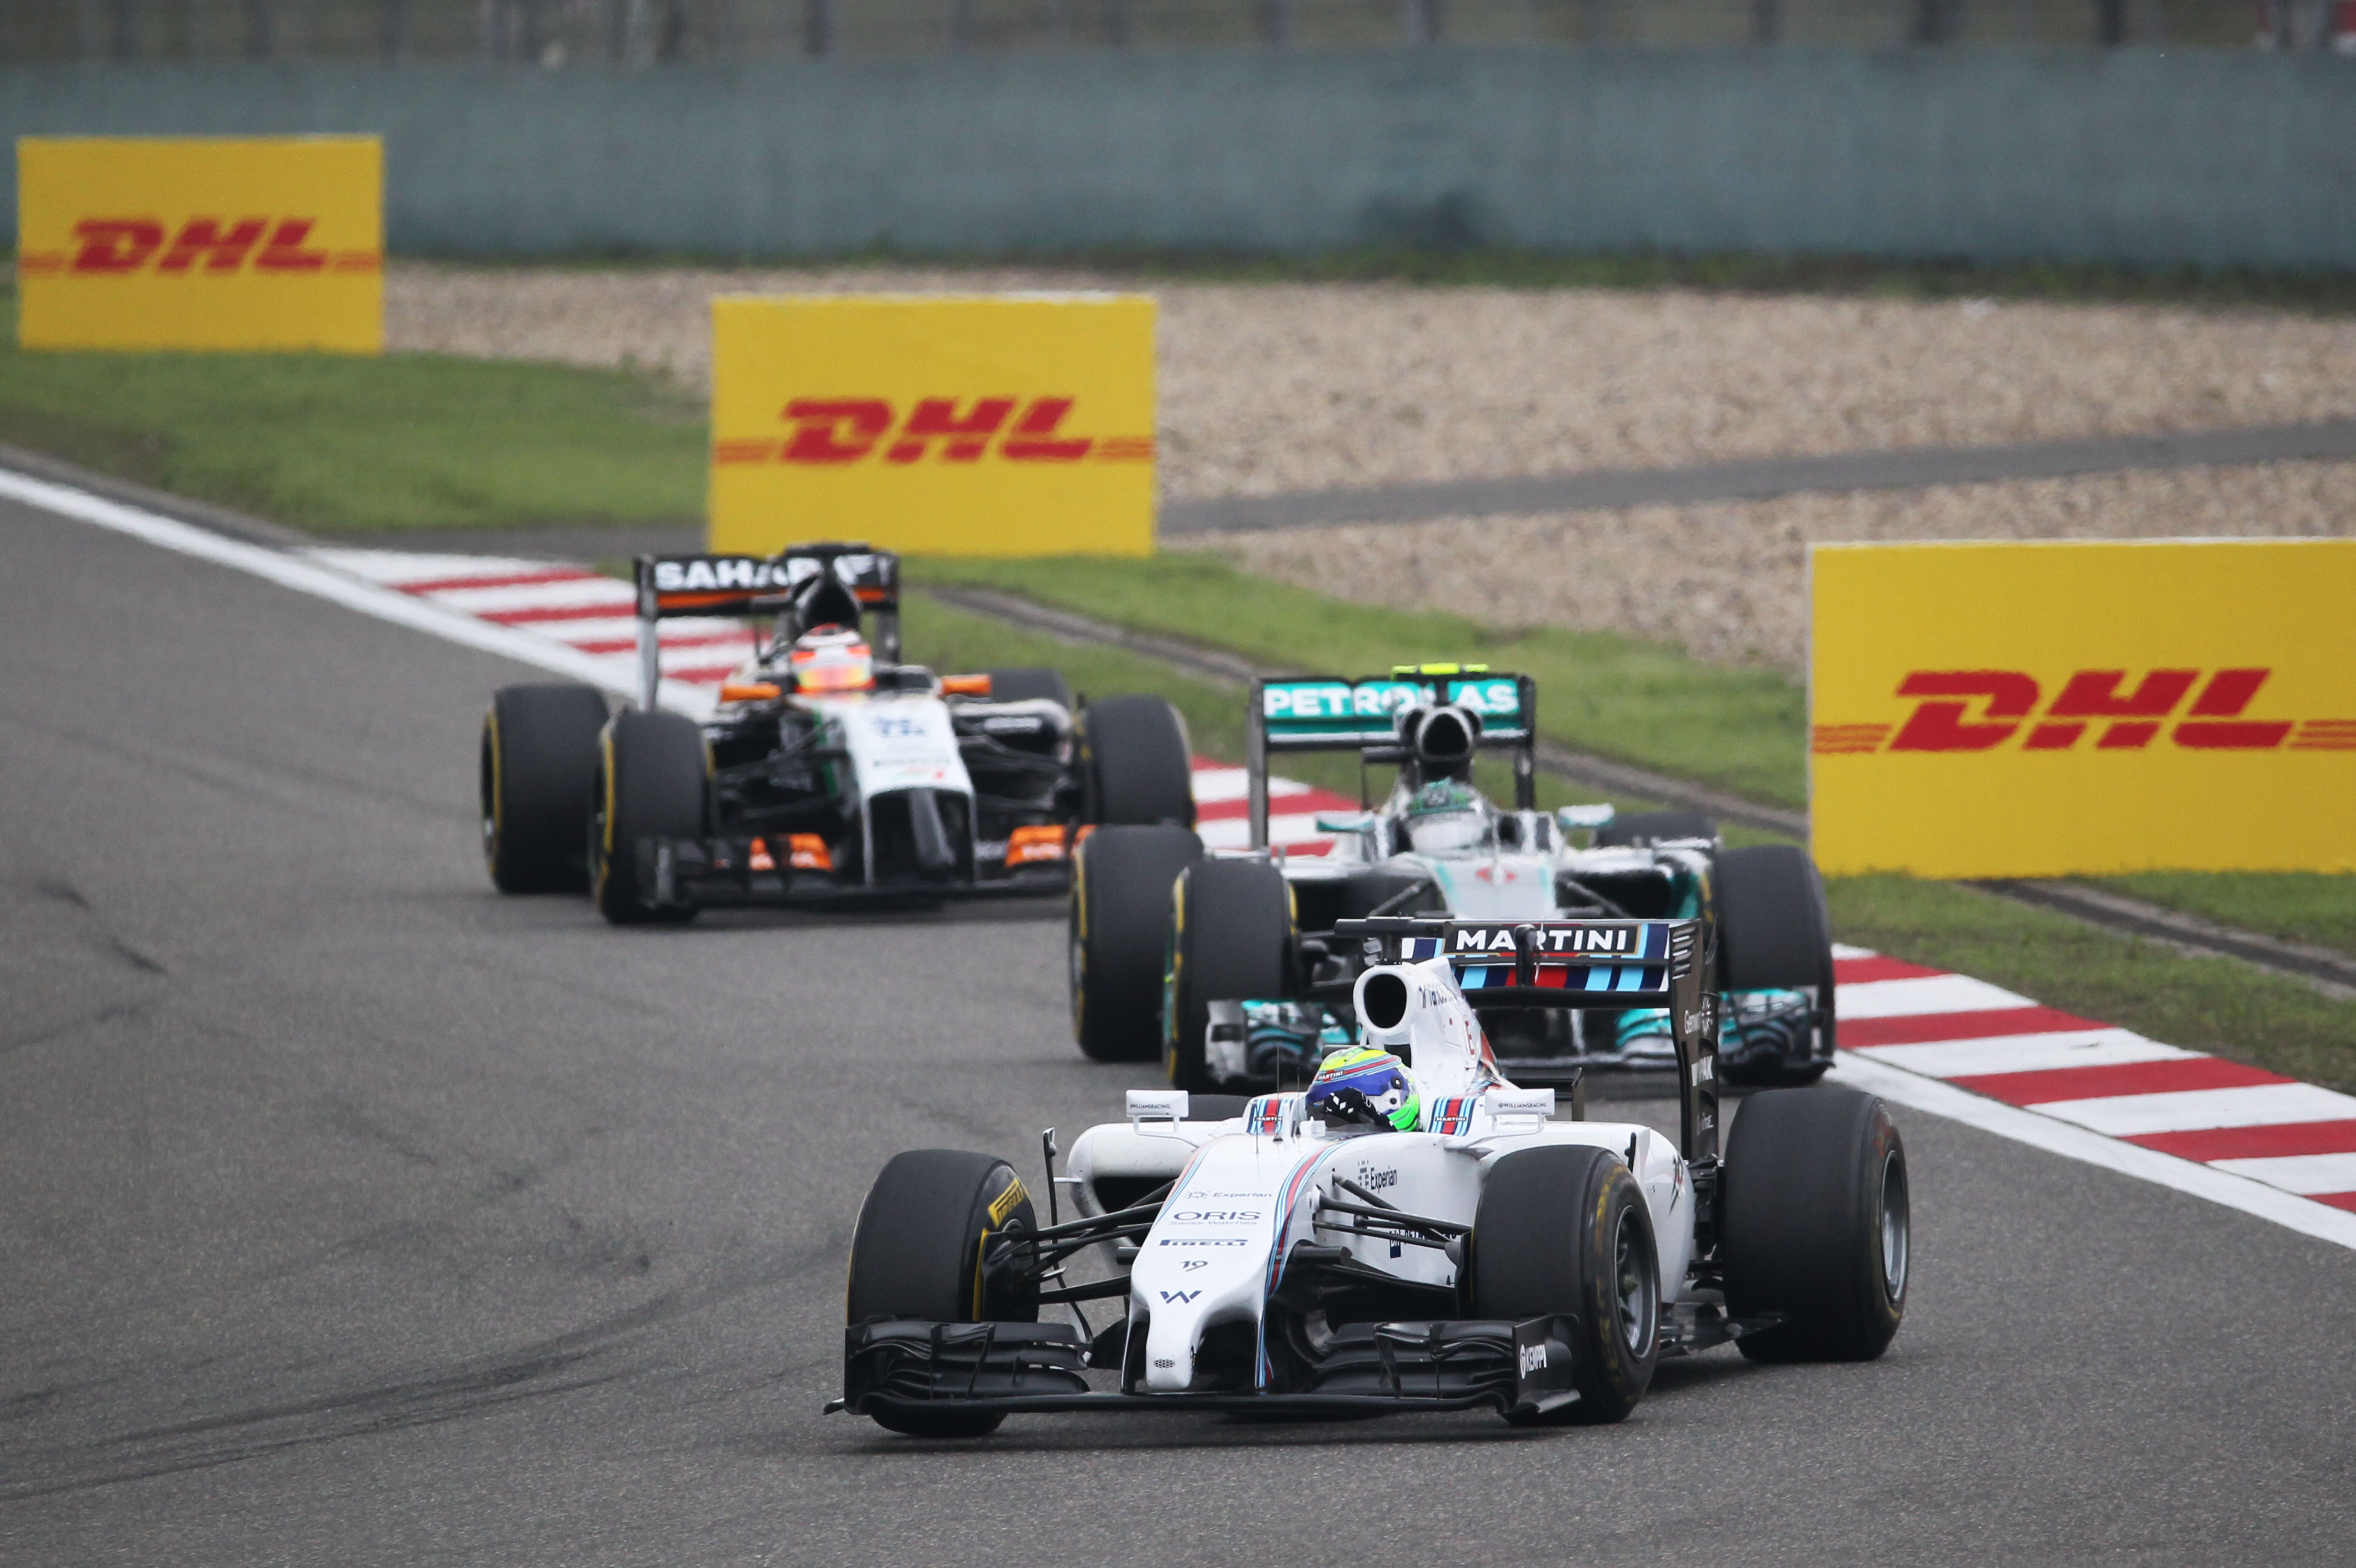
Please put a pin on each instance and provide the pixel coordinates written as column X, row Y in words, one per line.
column 2080, row 709
column 201, row 242
column 1005, row 425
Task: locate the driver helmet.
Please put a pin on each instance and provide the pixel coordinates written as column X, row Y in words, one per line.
column 1379, row 1075
column 826, row 660
column 1447, row 818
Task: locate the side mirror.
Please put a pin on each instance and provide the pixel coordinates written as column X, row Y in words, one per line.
column 1344, row 821
column 1589, row 816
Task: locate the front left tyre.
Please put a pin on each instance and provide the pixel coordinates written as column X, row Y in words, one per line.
column 1563, row 1229
column 653, row 780
column 536, row 765
column 917, row 1253
column 1136, row 767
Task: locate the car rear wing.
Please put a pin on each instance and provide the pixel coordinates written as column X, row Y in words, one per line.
column 1617, row 964
column 807, row 582
column 1334, row 713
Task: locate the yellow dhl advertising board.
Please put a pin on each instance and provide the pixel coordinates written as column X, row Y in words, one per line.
column 201, row 242
column 1006, row 425
column 2066, row 708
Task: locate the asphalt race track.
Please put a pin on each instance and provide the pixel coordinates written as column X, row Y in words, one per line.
column 352, row 1214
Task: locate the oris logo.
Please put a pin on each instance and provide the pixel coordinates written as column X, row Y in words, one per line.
column 210, row 246
column 836, row 431
column 2093, row 709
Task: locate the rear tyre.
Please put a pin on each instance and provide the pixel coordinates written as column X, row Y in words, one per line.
column 652, row 782
column 1136, row 767
column 1029, row 682
column 917, row 1250
column 1775, row 933
column 1565, row 1229
column 1231, row 939
column 1642, row 829
column 1119, row 937
column 536, row 764
column 1817, row 1224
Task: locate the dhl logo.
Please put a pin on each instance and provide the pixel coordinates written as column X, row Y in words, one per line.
column 831, row 432
column 113, row 247
column 1981, row 709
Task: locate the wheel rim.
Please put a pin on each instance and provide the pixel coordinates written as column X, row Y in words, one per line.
column 1896, row 1230
column 1637, row 1302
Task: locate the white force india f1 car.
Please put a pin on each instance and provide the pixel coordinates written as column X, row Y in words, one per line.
column 1228, row 966
column 1411, row 1232
column 829, row 771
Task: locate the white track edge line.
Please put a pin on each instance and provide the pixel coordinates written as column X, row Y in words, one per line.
column 2251, row 1197
column 2284, row 1209
column 326, row 582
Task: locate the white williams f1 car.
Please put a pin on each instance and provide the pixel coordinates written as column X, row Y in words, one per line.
column 831, row 771
column 1410, row 1232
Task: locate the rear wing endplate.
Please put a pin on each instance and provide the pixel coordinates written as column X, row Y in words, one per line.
column 1616, row 964
column 670, row 586
column 1335, row 713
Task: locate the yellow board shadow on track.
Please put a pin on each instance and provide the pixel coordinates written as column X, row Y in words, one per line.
column 1005, row 425
column 2043, row 709
column 221, row 243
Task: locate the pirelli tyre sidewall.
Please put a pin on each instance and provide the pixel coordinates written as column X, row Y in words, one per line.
column 536, row 768
column 653, row 782
column 918, row 1252
column 1117, row 939
column 1563, row 1228
column 1232, row 938
column 1817, row 1226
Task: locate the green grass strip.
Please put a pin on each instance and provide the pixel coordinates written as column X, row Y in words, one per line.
column 337, row 444
column 1641, row 702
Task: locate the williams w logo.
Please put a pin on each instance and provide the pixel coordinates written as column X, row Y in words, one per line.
column 1181, row 1297
column 838, row 431
column 116, row 247
column 2093, row 709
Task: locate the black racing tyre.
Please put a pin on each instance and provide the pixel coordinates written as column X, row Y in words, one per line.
column 1119, row 937
column 1775, row 933
column 1137, row 767
column 536, row 765
column 1816, row 1225
column 1643, row 829
column 1028, row 682
column 653, row 782
column 1216, row 1107
column 916, row 1252
column 1231, row 938
column 1562, row 1228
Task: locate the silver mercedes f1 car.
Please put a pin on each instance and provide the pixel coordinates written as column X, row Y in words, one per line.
column 1230, row 967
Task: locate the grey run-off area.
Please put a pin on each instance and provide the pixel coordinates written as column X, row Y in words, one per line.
column 2213, row 157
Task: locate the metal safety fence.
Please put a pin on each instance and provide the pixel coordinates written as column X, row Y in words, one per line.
column 557, row 34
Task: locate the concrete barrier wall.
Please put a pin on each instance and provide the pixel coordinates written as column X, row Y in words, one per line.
column 2215, row 157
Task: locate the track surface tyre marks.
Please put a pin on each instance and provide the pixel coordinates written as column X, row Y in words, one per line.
column 539, row 765
column 1026, row 683
column 1546, row 1238
column 915, row 1251
column 1643, row 828
column 1817, row 1225
column 653, row 782
column 1232, row 939
column 1137, row 767
column 1118, row 937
